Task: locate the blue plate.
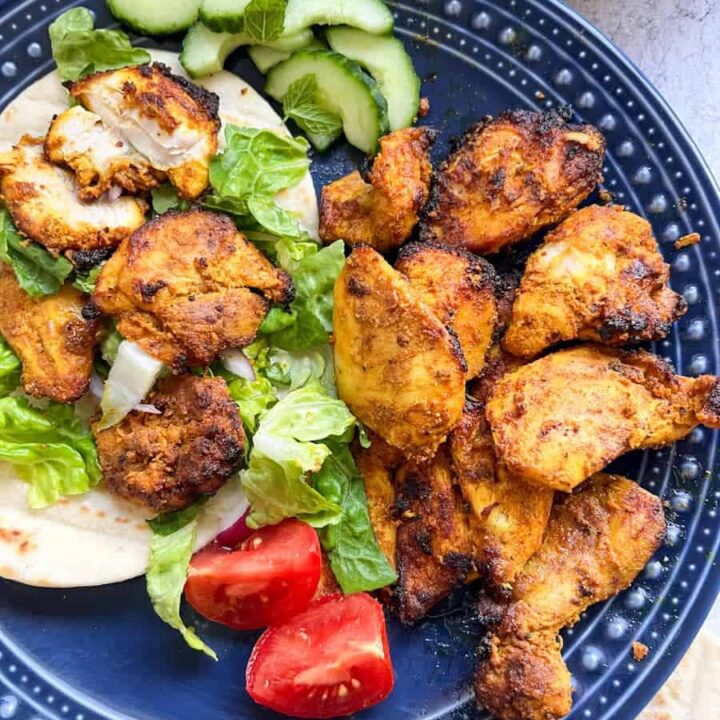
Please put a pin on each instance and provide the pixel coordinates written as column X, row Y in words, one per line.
column 101, row 653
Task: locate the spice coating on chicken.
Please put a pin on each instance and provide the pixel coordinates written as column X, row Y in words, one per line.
column 43, row 203
column 383, row 212
column 167, row 119
column 192, row 447
column 460, row 289
column 99, row 156
column 597, row 542
column 510, row 177
column 51, row 336
column 564, row 417
column 397, row 367
column 187, row 286
column 598, row 276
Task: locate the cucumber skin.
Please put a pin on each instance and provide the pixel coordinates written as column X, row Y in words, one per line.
column 349, row 66
column 186, row 56
column 315, row 17
column 335, row 38
column 266, row 57
column 231, row 22
column 120, row 16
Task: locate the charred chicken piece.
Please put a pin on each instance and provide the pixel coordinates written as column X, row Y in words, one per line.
column 98, row 155
column 397, row 367
column 598, row 276
column 187, row 286
column 51, row 336
column 43, row 203
column 510, row 177
column 383, row 212
column 564, row 417
column 596, row 543
column 192, row 447
column 460, row 289
column 165, row 118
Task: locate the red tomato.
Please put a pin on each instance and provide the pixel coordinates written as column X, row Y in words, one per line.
column 268, row 578
column 331, row 660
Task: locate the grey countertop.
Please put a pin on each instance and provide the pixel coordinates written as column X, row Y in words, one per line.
column 676, row 43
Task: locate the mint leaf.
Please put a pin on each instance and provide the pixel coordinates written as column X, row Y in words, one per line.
column 264, row 20
column 301, row 105
column 80, row 50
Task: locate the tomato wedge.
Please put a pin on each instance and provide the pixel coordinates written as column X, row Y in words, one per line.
column 268, row 578
column 333, row 659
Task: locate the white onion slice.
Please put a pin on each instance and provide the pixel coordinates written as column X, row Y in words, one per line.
column 96, row 386
column 114, row 193
column 131, row 377
column 236, row 362
column 149, row 409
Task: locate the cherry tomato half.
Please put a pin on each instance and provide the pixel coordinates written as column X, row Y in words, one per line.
column 333, row 659
column 268, row 578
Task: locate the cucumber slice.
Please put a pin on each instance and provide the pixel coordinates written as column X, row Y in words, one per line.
column 204, row 51
column 155, row 18
column 224, row 15
column 386, row 59
column 266, row 56
column 372, row 16
column 343, row 88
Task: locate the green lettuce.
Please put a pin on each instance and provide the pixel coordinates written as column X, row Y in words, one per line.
column 355, row 556
column 287, row 451
column 170, row 552
column 38, row 273
column 50, row 449
column 253, row 398
column 85, row 282
column 10, row 369
column 165, row 197
column 80, row 50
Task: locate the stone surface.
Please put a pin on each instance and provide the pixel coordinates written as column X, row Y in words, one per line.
column 676, row 44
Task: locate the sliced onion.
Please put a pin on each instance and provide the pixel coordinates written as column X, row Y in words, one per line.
column 114, row 193
column 236, row 362
column 149, row 409
column 131, row 377
column 96, row 386
column 236, row 533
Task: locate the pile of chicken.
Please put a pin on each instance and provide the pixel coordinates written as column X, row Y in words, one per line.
column 489, row 439
column 183, row 286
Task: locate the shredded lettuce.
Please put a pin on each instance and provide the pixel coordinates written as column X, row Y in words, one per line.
column 38, row 273
column 80, row 50
column 287, row 451
column 355, row 557
column 10, row 369
column 170, row 552
column 50, row 449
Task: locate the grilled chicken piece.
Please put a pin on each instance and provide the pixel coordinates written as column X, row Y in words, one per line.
column 167, row 119
column 510, row 515
column 397, row 366
column 191, row 448
column 436, row 537
column 43, row 203
column 564, row 417
column 377, row 465
column 510, row 177
column 598, row 276
column 383, row 212
column 99, row 156
column 51, row 336
column 596, row 543
column 187, row 286
column 460, row 289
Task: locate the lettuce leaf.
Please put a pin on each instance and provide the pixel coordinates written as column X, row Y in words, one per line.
column 80, row 50
column 165, row 197
column 356, row 559
column 38, row 273
column 287, row 450
column 170, row 552
column 10, row 369
column 253, row 398
column 85, row 282
column 50, row 449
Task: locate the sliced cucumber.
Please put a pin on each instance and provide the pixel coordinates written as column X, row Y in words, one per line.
column 343, row 89
column 372, row 16
column 224, row 15
column 204, row 51
column 386, row 59
column 155, row 18
column 266, row 56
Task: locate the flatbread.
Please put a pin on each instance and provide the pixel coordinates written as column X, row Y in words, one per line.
column 97, row 538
